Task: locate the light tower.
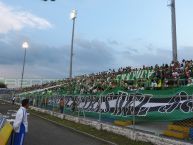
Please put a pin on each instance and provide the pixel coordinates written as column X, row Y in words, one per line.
column 73, row 16
column 25, row 46
column 174, row 36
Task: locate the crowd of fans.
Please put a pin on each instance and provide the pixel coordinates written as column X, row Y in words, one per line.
column 164, row 76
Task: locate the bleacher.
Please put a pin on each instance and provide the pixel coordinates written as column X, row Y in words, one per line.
column 167, row 84
column 147, row 78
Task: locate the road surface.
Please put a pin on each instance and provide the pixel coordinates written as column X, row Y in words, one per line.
column 42, row 132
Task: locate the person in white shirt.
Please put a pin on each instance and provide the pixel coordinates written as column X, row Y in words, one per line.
column 20, row 124
column 13, row 100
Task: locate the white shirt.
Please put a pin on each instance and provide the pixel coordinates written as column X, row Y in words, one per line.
column 21, row 116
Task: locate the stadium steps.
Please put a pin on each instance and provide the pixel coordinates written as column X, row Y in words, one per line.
column 179, row 128
column 176, row 134
column 122, row 123
column 177, row 131
column 185, row 123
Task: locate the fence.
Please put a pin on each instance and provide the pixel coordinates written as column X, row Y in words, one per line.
column 170, row 116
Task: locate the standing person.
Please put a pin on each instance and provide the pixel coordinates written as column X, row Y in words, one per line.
column 20, row 124
column 13, row 100
column 46, row 102
column 34, row 101
column 74, row 105
column 61, row 104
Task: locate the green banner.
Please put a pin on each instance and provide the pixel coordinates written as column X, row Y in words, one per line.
column 170, row 104
column 139, row 74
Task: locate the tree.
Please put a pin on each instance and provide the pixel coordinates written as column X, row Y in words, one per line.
column 3, row 85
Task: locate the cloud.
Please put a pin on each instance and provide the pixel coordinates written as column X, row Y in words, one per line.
column 185, row 52
column 53, row 62
column 15, row 20
column 93, row 56
column 113, row 42
column 153, row 56
column 131, row 50
column 89, row 56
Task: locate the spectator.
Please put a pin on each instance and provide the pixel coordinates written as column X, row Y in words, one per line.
column 74, row 105
column 46, row 102
column 61, row 105
column 154, row 84
column 190, row 81
column 165, row 82
column 13, row 100
column 34, row 101
column 166, row 75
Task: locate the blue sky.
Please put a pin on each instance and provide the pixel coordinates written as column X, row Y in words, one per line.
column 108, row 34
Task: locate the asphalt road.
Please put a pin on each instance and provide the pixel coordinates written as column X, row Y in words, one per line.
column 42, row 132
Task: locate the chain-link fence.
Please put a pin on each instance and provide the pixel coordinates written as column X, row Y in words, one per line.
column 162, row 115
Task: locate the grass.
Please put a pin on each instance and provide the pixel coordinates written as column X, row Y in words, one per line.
column 118, row 139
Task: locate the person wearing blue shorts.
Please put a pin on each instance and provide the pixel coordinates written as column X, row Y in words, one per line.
column 20, row 124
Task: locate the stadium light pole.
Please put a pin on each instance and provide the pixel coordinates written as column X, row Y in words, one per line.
column 25, row 46
column 174, row 35
column 73, row 16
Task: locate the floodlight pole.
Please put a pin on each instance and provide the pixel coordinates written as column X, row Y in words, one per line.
column 71, row 52
column 23, row 68
column 174, row 36
column 73, row 17
column 25, row 46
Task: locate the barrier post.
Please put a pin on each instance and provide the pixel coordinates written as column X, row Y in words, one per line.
column 80, row 109
column 53, row 103
column 134, row 98
column 100, row 100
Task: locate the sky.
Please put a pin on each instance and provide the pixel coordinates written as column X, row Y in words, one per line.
column 108, row 34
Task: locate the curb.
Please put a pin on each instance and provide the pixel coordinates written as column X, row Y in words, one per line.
column 78, row 131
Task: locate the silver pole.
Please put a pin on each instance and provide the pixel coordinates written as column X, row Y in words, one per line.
column 174, row 36
column 100, row 101
column 134, row 98
column 23, row 67
column 72, row 44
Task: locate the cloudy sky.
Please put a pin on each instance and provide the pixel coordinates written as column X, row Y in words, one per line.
column 108, row 34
